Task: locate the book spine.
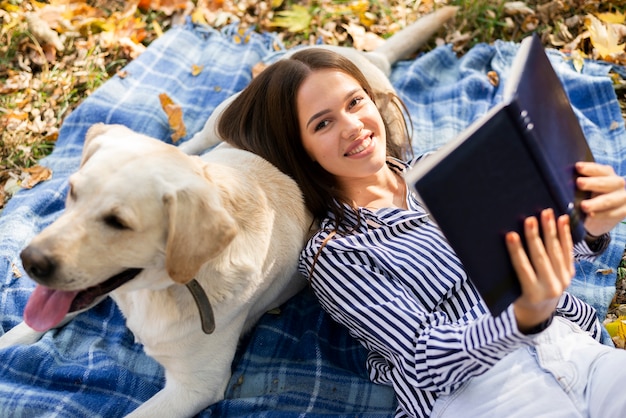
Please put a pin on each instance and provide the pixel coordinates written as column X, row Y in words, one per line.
column 566, row 202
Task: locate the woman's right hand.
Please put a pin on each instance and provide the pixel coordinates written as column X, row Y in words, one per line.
column 545, row 270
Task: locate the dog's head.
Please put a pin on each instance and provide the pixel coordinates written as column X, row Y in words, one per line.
column 135, row 204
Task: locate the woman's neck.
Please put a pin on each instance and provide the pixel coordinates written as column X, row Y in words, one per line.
column 382, row 190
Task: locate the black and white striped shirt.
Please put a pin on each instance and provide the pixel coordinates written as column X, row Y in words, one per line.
column 399, row 288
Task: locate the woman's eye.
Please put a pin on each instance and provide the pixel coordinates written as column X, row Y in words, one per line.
column 321, row 125
column 355, row 101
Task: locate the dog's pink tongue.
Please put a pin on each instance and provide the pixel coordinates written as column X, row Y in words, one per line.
column 47, row 307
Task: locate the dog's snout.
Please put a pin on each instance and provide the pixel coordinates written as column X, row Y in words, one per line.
column 38, row 265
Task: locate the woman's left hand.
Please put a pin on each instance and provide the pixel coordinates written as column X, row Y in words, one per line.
column 607, row 205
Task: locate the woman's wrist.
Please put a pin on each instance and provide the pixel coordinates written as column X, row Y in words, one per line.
column 533, row 320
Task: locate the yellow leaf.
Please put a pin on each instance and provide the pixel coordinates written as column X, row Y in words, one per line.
column 5, row 5
column 578, row 59
column 174, row 116
column 197, row 17
column 604, row 37
column 196, row 69
column 616, row 17
column 296, row 20
column 157, row 28
column 617, row 327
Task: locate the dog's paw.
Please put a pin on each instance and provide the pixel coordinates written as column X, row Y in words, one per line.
column 21, row 334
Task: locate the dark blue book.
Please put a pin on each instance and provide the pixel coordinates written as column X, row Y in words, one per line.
column 513, row 162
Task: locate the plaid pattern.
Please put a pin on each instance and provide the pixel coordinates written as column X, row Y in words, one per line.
column 297, row 362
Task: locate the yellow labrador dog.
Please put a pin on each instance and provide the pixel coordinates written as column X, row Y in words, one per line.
column 161, row 230
column 193, row 253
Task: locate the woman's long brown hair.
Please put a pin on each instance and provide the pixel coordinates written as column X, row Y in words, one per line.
column 263, row 119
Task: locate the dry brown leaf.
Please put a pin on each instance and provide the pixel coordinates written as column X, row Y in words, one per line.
column 361, row 39
column 16, row 271
column 36, row 174
column 168, row 7
column 494, row 78
column 258, row 68
column 42, row 32
column 174, row 117
column 517, row 7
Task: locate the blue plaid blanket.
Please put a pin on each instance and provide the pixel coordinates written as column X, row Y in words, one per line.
column 296, row 362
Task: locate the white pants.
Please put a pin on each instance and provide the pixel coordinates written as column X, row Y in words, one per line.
column 566, row 374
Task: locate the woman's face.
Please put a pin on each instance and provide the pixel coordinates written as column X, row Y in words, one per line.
column 340, row 125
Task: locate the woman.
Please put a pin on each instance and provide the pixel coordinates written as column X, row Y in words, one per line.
column 382, row 268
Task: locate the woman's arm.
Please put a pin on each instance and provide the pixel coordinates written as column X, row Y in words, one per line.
column 426, row 350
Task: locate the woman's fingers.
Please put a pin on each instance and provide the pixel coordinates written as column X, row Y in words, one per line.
column 545, row 266
column 567, row 243
column 607, row 205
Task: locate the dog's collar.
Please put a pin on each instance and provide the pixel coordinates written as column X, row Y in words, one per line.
column 207, row 319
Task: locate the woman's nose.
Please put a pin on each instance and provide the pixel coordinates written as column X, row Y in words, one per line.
column 352, row 126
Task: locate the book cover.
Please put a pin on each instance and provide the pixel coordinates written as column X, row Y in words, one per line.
column 513, row 162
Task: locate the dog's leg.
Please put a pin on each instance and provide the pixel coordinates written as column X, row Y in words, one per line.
column 21, row 334
column 408, row 40
column 197, row 375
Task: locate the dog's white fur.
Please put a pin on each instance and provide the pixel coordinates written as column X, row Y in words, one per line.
column 229, row 219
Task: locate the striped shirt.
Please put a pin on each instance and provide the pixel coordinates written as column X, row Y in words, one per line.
column 400, row 289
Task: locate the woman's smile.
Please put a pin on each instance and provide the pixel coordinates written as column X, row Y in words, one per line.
column 361, row 146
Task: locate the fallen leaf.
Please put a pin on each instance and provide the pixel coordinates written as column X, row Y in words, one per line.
column 493, row 78
column 16, row 271
column 36, row 174
column 296, row 20
column 616, row 17
column 42, row 32
column 169, row 7
column 258, row 68
column 197, row 17
column 363, row 40
column 158, row 29
column 603, row 37
column 174, row 117
column 196, row 69
column 517, row 7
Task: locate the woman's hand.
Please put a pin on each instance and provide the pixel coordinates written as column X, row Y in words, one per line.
column 607, row 205
column 545, row 270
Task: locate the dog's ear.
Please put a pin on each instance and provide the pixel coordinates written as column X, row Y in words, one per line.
column 199, row 229
column 91, row 145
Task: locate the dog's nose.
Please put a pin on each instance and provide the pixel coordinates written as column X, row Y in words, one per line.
column 38, row 265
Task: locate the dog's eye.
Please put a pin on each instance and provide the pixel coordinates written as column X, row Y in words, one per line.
column 115, row 222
